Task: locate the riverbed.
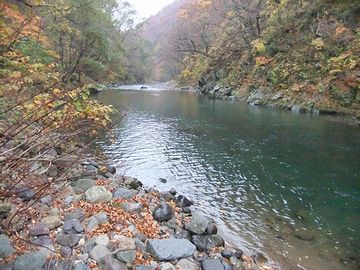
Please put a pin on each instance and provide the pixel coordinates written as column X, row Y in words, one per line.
column 282, row 183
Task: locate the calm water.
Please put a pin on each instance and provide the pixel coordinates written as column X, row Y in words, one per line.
column 282, row 183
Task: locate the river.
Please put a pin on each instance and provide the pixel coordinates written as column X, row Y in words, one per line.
column 282, row 183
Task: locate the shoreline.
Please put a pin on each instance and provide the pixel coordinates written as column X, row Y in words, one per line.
column 99, row 220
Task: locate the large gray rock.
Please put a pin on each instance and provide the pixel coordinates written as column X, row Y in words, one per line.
column 80, row 265
column 68, row 240
column 131, row 207
column 163, row 212
column 6, row 248
column 98, row 194
column 123, row 193
column 256, row 98
column 126, row 256
column 187, row 264
column 98, row 252
column 94, row 221
column 39, row 229
column 78, row 214
column 110, row 263
column 170, row 249
column 83, row 185
column 26, row 194
column 30, row 261
column 206, row 242
column 44, row 241
column 198, row 223
column 182, row 201
column 124, row 243
column 167, row 266
column 212, row 264
column 53, row 222
column 73, row 226
column 102, row 239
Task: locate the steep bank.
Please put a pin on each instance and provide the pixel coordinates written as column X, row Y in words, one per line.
column 289, row 54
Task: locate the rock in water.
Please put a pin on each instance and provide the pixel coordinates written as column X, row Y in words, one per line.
column 98, row 194
column 170, row 249
column 198, row 223
column 6, row 248
column 182, row 201
column 206, row 242
column 163, row 212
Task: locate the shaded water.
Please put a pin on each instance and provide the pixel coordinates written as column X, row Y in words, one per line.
column 283, row 183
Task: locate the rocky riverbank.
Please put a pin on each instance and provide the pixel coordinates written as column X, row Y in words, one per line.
column 210, row 85
column 98, row 220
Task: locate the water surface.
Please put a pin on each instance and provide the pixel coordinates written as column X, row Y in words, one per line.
column 283, row 183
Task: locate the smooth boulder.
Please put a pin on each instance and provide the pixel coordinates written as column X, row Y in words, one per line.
column 170, row 249
column 98, row 194
column 163, row 212
column 198, row 223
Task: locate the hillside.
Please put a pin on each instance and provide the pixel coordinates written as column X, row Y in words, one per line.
column 300, row 55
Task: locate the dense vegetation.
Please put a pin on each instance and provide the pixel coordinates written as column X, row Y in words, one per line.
column 52, row 55
column 288, row 52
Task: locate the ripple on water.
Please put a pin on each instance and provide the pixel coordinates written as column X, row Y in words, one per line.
column 278, row 182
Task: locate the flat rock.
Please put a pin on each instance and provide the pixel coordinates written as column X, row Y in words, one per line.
column 98, row 194
column 131, row 207
column 170, row 249
column 68, row 240
column 30, row 261
column 123, row 193
column 110, row 263
column 167, row 266
column 124, row 243
column 206, row 242
column 211, row 264
column 163, row 212
column 102, row 240
column 73, row 226
column 39, row 229
column 53, row 222
column 98, row 252
column 126, row 256
column 187, row 264
column 95, row 221
column 6, row 248
column 26, row 194
column 80, row 265
column 78, row 214
column 43, row 240
column 83, row 185
column 198, row 223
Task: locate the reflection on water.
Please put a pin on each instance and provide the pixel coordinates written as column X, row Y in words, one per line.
column 283, row 183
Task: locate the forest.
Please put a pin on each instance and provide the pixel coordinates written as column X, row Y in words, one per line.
column 191, row 139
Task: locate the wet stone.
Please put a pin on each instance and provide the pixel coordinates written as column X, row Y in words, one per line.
column 182, row 201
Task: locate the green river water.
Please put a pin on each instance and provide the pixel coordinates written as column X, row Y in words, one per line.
column 281, row 183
